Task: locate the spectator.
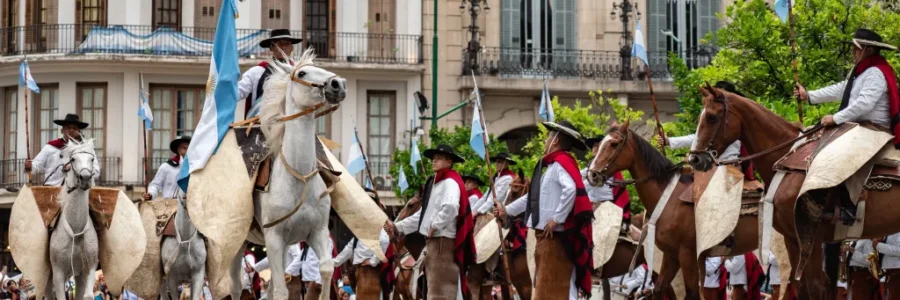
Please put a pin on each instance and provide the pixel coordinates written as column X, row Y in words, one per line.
column 98, row 295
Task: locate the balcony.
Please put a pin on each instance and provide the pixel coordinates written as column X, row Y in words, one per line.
column 77, row 39
column 14, row 176
column 599, row 65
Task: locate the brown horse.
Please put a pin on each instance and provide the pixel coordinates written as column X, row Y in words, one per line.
column 728, row 117
column 676, row 234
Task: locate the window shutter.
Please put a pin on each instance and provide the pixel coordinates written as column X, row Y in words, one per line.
column 564, row 34
column 29, row 20
column 656, row 22
column 708, row 21
column 510, row 32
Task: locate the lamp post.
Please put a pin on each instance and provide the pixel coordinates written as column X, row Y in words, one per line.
column 474, row 46
column 624, row 11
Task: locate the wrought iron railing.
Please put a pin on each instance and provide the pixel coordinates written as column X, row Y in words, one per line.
column 13, row 175
column 196, row 41
column 520, row 63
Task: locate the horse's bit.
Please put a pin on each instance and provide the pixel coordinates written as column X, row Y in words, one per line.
column 615, row 155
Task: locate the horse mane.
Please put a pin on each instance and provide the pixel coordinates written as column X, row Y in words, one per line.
column 657, row 164
column 74, row 146
column 273, row 99
column 772, row 116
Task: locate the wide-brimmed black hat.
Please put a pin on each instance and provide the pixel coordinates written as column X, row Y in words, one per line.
column 865, row 37
column 473, row 178
column 590, row 142
column 446, row 150
column 505, row 156
column 728, row 86
column 71, row 119
column 175, row 143
column 279, row 34
column 566, row 128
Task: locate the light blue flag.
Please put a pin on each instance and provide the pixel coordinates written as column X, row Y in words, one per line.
column 369, row 184
column 26, row 79
column 781, row 9
column 638, row 49
column 546, row 108
column 401, row 181
column 221, row 96
column 414, row 156
column 355, row 162
column 144, row 110
column 478, row 130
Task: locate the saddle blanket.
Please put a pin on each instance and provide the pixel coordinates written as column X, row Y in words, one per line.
column 102, row 202
column 252, row 143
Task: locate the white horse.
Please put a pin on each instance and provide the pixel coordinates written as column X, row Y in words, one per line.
column 73, row 244
column 183, row 257
column 296, row 207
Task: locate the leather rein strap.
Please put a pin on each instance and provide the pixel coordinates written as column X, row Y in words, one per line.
column 304, row 179
column 773, row 149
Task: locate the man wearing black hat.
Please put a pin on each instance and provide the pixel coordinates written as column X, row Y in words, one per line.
column 558, row 209
column 502, row 182
column 281, row 43
column 445, row 219
column 869, row 94
column 473, row 183
column 48, row 160
column 165, row 183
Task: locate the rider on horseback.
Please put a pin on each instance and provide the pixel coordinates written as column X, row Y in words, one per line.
column 49, row 162
column 869, row 94
column 165, row 183
column 502, row 182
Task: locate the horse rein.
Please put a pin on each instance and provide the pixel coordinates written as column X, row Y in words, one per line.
column 623, row 183
column 721, row 99
column 78, row 179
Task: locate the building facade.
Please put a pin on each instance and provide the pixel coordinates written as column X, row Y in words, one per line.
column 95, row 57
column 513, row 46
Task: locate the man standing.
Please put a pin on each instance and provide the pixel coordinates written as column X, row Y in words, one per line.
column 291, row 272
column 502, row 182
column 49, row 163
column 863, row 285
column 891, row 264
column 165, row 183
column 869, row 94
column 559, row 211
column 445, row 220
column 281, row 44
column 368, row 267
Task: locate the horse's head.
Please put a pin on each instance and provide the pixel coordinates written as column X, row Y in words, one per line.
column 717, row 128
column 616, row 153
column 78, row 158
column 310, row 84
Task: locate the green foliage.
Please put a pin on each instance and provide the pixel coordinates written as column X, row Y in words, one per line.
column 458, row 138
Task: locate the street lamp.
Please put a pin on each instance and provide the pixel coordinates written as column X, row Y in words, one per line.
column 624, row 11
column 474, row 46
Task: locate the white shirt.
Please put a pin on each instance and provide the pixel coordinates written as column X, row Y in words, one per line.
column 165, row 183
column 247, row 277
column 862, row 249
column 292, row 257
column 679, row 142
column 868, row 99
column 249, row 82
column 473, row 202
column 556, row 201
column 311, row 264
column 50, row 163
column 486, row 202
column 891, row 250
column 737, row 270
column 712, row 272
column 441, row 212
column 774, row 271
column 597, row 193
column 362, row 253
column 634, row 280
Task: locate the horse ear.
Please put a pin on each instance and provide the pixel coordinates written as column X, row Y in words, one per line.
column 625, row 125
column 710, row 88
column 703, row 91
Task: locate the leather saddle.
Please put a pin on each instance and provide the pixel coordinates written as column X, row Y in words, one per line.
column 259, row 163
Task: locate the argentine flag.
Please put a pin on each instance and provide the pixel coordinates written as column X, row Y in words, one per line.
column 26, row 79
column 638, row 49
column 355, row 163
column 546, row 109
column 781, row 9
column 478, row 130
column 414, row 156
column 401, row 181
column 221, row 96
column 144, row 110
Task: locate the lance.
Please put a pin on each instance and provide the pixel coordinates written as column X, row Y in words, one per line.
column 794, row 56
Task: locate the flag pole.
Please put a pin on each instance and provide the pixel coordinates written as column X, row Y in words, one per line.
column 27, row 135
column 487, row 160
column 794, row 56
column 368, row 170
column 659, row 129
column 144, row 131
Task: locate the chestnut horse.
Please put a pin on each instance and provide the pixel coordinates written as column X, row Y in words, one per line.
column 622, row 149
column 413, row 244
column 728, row 117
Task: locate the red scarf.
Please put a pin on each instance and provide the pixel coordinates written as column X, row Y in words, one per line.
column 387, row 272
column 506, row 172
column 475, row 192
column 723, row 281
column 747, row 166
column 878, row 61
column 755, row 276
column 464, row 243
column 577, row 235
column 58, row 143
column 622, row 198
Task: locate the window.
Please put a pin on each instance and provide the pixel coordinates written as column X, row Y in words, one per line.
column 323, row 124
column 689, row 20
column 208, row 11
column 92, row 110
column 381, row 136
column 11, row 100
column 317, row 26
column 10, row 20
column 546, row 29
column 271, row 13
column 90, row 13
column 176, row 111
column 46, row 106
column 274, row 14
column 167, row 13
column 36, row 16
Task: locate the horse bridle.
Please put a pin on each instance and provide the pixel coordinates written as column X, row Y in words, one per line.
column 615, row 155
column 77, row 178
column 724, row 120
column 308, row 83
